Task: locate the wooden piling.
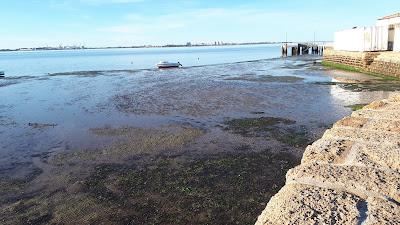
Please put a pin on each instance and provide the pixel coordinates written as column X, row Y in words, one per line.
column 294, row 51
column 285, row 50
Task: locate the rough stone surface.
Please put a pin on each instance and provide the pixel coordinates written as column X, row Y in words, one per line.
column 361, row 180
column 359, row 122
column 363, row 135
column 350, row 176
column 384, row 155
column 331, row 151
column 387, row 63
column 382, row 212
column 304, row 204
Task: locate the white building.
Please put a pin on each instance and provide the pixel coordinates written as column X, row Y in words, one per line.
column 383, row 36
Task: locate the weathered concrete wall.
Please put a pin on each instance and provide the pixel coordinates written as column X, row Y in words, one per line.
column 350, row 176
column 386, row 63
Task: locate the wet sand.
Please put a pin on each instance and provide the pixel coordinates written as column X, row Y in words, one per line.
column 199, row 145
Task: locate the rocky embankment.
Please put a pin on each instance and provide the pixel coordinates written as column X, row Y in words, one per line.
column 386, row 63
column 350, row 176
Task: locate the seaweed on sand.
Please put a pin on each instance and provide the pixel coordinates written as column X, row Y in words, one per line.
column 267, row 78
column 223, row 189
column 356, row 107
column 251, row 126
column 281, row 129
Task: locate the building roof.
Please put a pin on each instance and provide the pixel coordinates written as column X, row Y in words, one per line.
column 390, row 16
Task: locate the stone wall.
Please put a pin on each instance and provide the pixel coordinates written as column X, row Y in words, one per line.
column 350, row 176
column 385, row 63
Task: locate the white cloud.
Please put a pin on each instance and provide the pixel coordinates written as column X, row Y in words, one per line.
column 204, row 17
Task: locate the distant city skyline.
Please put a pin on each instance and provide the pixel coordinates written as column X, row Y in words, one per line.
column 79, row 47
column 102, row 23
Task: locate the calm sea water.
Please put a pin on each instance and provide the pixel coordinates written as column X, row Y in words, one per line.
column 43, row 62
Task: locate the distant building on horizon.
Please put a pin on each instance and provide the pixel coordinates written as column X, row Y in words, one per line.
column 383, row 36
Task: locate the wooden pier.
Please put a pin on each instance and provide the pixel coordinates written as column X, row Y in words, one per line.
column 296, row 49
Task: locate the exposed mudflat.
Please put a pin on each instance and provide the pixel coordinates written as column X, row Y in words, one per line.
column 197, row 145
column 267, row 78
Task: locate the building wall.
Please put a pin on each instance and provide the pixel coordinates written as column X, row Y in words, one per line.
column 349, row 40
column 379, row 38
column 362, row 39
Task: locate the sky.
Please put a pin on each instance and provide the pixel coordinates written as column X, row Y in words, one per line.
column 100, row 23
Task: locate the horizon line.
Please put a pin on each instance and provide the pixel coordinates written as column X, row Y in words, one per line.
column 202, row 44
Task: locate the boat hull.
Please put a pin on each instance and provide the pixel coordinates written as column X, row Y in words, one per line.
column 167, row 65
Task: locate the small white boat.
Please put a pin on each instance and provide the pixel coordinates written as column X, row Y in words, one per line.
column 163, row 64
column 2, row 73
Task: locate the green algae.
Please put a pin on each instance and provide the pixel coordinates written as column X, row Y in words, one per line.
column 341, row 67
column 267, row 78
column 257, row 113
column 60, row 208
column 254, row 126
column 362, row 87
column 366, row 86
column 222, row 189
column 41, row 126
column 381, row 83
column 7, row 121
column 92, row 73
column 26, row 211
column 11, row 187
column 110, row 131
column 132, row 142
column 356, row 107
column 358, row 70
column 79, row 73
column 295, row 137
column 8, row 83
column 281, row 129
column 225, row 188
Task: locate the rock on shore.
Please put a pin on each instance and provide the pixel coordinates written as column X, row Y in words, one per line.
column 350, row 176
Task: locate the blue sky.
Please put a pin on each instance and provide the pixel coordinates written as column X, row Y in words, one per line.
column 29, row 23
